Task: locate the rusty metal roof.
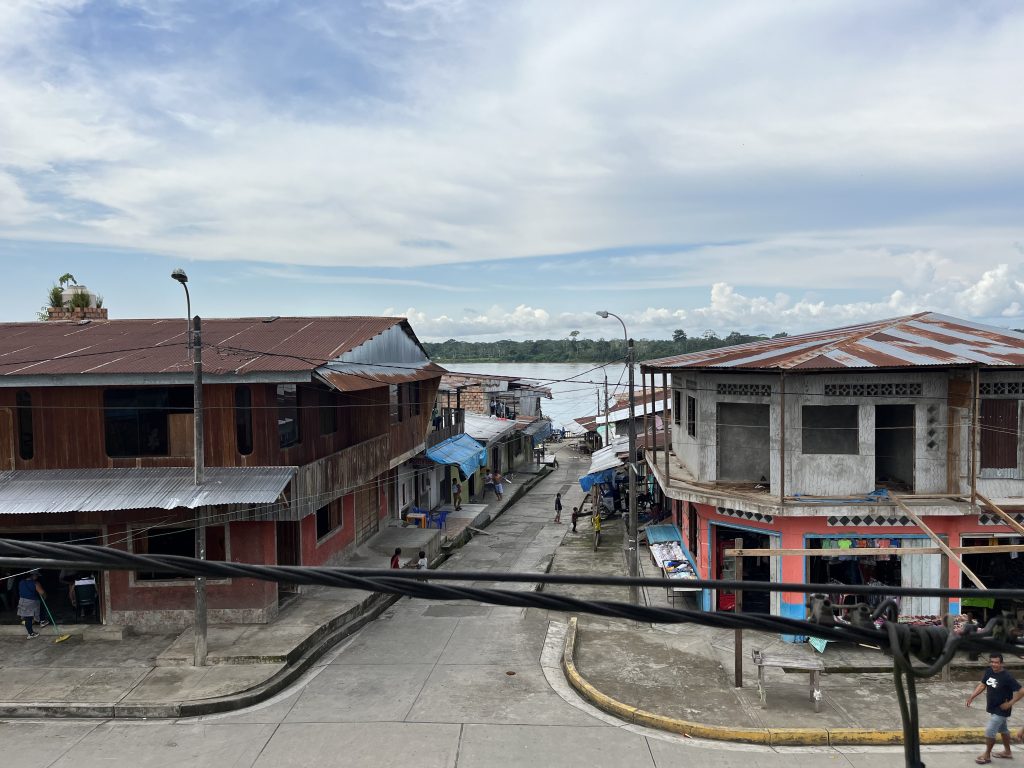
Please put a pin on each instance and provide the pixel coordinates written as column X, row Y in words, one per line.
column 231, row 346
column 24, row 492
column 375, row 376
column 925, row 339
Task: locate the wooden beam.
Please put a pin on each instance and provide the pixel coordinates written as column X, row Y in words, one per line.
column 737, row 659
column 665, row 420
column 1006, row 518
column 974, row 437
column 998, row 549
column 941, row 544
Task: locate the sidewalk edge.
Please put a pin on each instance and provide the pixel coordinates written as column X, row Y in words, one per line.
column 775, row 737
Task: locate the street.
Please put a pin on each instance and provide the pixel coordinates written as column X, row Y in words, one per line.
column 429, row 684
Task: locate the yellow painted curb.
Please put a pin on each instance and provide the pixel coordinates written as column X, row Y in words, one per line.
column 776, row 737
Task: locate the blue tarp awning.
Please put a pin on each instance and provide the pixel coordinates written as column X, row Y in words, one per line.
column 656, row 533
column 589, row 481
column 462, row 450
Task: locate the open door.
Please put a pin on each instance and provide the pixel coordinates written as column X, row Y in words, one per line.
column 894, row 447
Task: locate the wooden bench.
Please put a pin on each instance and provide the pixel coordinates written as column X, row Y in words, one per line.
column 788, row 663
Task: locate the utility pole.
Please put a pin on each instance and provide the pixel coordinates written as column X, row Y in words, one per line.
column 632, row 554
column 199, row 632
column 607, row 431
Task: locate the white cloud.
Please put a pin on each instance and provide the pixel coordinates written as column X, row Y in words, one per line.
column 997, row 296
column 520, row 129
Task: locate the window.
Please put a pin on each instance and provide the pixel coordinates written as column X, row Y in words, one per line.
column 243, row 419
column 26, row 447
column 329, row 518
column 998, row 421
column 677, row 407
column 177, row 541
column 394, row 403
column 328, row 413
column 830, row 429
column 288, row 432
column 137, row 422
column 691, row 416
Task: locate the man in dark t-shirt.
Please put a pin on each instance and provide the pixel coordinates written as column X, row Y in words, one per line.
column 1002, row 691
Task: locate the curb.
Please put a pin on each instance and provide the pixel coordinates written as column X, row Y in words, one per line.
column 315, row 646
column 774, row 737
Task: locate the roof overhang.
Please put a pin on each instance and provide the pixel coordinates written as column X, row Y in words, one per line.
column 44, row 491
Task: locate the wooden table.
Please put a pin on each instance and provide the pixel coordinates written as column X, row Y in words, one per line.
column 788, row 663
column 417, row 518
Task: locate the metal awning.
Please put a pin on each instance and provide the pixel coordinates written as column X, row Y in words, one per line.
column 27, row 492
column 462, row 450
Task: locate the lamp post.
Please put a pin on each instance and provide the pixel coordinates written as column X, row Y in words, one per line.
column 632, row 555
column 195, row 344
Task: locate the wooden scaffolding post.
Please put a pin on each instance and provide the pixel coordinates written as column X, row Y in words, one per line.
column 939, row 542
column 648, row 443
column 974, row 440
column 1001, row 513
column 782, row 438
column 737, row 662
column 665, row 422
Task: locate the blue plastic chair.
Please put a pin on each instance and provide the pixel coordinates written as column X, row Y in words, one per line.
column 440, row 518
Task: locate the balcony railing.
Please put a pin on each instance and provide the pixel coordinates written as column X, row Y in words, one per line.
column 449, row 422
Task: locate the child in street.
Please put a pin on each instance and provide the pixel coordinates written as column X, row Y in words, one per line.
column 558, row 508
column 575, row 517
column 456, row 493
column 396, row 559
column 422, row 564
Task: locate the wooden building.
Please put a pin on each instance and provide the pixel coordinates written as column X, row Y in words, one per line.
column 305, row 421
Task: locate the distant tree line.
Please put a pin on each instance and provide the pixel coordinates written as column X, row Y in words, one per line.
column 574, row 349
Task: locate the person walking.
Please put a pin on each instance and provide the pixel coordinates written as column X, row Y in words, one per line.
column 30, row 593
column 488, row 481
column 558, row 508
column 499, row 485
column 575, row 517
column 1002, row 691
column 456, row 493
column 396, row 559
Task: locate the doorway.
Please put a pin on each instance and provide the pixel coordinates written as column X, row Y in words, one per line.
column 743, row 443
column 289, row 552
column 754, row 568
column 894, row 447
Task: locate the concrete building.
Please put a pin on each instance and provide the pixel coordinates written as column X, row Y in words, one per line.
column 893, row 433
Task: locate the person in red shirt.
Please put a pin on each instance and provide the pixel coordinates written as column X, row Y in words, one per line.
column 396, row 559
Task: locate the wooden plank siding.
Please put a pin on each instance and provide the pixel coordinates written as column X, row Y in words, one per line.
column 999, row 420
column 324, row 480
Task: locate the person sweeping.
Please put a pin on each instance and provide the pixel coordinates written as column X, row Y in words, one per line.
column 30, row 597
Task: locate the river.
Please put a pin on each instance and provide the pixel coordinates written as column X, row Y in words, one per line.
column 574, row 386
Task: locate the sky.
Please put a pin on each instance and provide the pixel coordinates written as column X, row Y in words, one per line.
column 499, row 170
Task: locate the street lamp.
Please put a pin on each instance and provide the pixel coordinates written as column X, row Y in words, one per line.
column 195, row 344
column 632, row 554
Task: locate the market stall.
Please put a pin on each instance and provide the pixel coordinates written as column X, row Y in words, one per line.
column 674, row 561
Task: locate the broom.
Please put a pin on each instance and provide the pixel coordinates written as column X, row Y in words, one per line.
column 60, row 638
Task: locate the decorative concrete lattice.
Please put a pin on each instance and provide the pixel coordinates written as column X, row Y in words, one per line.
column 753, row 390
column 876, row 521
column 892, row 389
column 757, row 517
column 996, row 520
column 1001, row 388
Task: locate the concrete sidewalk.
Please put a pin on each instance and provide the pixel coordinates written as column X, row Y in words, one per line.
column 685, row 672
column 105, row 672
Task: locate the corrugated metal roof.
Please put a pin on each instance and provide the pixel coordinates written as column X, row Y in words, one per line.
column 486, row 429
column 454, row 380
column 368, row 377
column 925, row 339
column 230, row 345
column 24, row 492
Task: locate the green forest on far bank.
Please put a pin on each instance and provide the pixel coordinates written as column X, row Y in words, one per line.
column 574, row 349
